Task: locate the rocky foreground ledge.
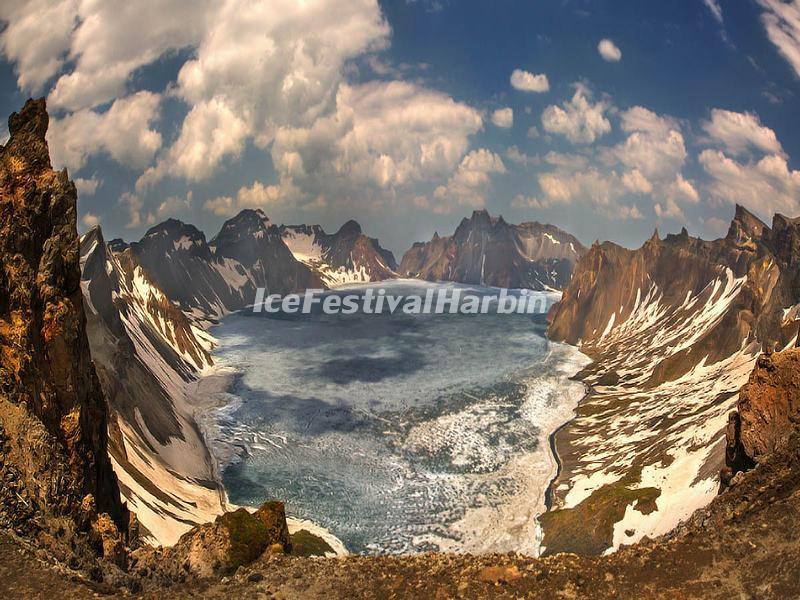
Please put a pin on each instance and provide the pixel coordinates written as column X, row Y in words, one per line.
column 744, row 545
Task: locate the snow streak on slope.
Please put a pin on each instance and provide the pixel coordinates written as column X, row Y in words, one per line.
column 312, row 247
column 644, row 427
column 148, row 353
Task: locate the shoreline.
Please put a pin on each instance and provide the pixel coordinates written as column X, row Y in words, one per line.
column 549, row 492
column 209, row 388
column 576, row 360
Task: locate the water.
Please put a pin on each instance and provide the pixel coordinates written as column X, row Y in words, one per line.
column 397, row 433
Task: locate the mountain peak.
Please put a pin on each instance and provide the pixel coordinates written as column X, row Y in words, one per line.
column 351, row 227
column 486, row 250
column 27, row 130
column 247, row 222
column 93, row 234
column 481, row 216
column 169, row 227
column 745, row 225
column 118, row 245
column 249, row 216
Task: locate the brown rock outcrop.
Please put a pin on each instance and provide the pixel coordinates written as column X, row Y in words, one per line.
column 53, row 417
column 233, row 540
column 767, row 412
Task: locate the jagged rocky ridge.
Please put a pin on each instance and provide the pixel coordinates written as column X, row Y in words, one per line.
column 674, row 329
column 347, row 256
column 148, row 355
column 488, row 251
column 58, row 485
column 213, row 278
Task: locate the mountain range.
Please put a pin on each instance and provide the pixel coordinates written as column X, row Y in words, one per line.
column 674, row 329
column 692, row 391
column 488, row 251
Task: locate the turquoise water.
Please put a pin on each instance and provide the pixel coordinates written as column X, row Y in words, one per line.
column 390, row 430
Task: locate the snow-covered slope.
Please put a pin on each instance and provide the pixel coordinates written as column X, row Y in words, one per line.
column 147, row 354
column 347, row 256
column 674, row 329
column 211, row 279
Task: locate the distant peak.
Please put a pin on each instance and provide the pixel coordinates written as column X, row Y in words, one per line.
column 248, row 220
column 655, row 237
column 118, row 245
column 350, row 228
column 249, row 214
column 780, row 221
column 741, row 212
column 170, row 224
column 94, row 233
column 481, row 215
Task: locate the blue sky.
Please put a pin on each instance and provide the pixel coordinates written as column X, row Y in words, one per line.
column 407, row 115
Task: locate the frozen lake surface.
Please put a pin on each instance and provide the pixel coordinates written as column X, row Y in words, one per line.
column 398, row 433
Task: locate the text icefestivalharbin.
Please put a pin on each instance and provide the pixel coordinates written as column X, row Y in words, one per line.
column 378, row 301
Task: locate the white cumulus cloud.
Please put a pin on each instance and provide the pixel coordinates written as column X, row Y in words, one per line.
column 503, row 118
column 257, row 195
column 381, row 137
column 125, row 132
column 525, row 81
column 36, row 38
column 470, row 183
column 609, row 51
column 765, row 186
column 90, row 220
column 578, row 120
column 741, row 132
column 87, row 187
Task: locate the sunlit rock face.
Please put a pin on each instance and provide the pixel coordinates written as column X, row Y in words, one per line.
column 347, row 256
column 53, row 417
column 674, row 329
column 488, row 251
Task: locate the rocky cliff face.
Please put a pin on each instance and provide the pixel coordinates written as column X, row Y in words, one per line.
column 58, row 484
column 347, row 256
column 674, row 329
column 488, row 251
column 610, row 279
column 767, row 413
column 53, row 417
